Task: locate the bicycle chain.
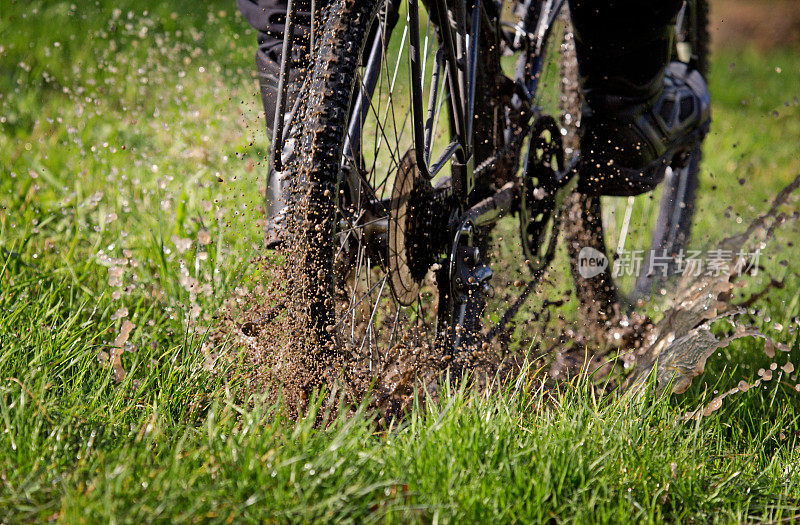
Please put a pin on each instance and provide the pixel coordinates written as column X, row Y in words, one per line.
column 502, row 152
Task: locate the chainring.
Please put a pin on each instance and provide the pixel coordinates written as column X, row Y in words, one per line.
column 539, row 187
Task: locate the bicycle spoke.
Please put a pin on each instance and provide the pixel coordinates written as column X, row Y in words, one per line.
column 382, row 130
column 389, row 173
column 372, row 316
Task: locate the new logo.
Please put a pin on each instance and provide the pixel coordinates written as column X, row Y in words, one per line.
column 591, row 262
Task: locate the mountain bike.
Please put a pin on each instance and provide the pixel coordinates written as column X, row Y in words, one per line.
column 421, row 126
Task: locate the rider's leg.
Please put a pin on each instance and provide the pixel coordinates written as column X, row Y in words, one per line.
column 268, row 17
column 639, row 111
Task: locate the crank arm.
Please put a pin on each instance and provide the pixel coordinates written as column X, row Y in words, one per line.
column 505, row 200
column 492, row 208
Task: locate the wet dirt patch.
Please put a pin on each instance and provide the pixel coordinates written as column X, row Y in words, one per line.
column 765, row 24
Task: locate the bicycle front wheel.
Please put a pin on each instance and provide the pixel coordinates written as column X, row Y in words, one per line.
column 641, row 236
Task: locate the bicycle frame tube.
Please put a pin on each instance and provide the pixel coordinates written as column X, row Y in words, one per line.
column 456, row 79
column 416, row 89
column 361, row 107
column 475, row 28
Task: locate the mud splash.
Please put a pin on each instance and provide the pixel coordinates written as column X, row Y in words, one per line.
column 678, row 346
column 282, row 361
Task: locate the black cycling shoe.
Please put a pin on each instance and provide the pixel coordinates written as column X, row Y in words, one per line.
column 626, row 144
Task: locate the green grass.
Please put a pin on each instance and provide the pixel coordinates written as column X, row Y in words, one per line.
column 128, row 130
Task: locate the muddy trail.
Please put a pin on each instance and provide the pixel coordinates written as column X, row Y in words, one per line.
column 701, row 314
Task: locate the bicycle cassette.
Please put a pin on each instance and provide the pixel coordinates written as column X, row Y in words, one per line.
column 415, row 218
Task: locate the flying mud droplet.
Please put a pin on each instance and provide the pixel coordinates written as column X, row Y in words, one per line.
column 204, row 237
column 114, row 356
column 713, row 406
column 182, row 245
column 120, row 313
column 115, row 274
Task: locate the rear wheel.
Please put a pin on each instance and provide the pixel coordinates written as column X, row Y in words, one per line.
column 368, row 232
